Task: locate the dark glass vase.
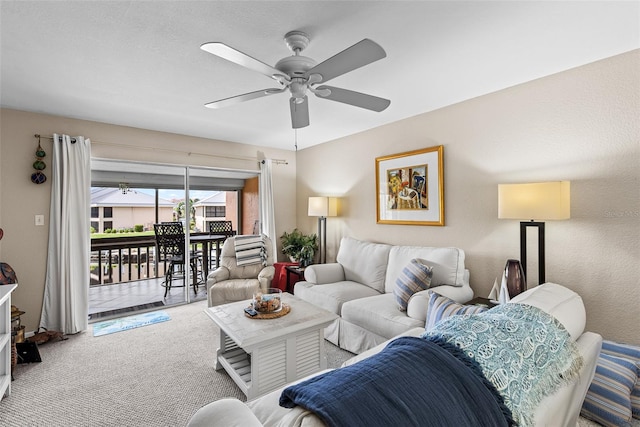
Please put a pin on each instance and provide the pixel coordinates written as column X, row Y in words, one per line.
column 514, row 274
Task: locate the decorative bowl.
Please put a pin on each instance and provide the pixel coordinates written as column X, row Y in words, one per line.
column 268, row 302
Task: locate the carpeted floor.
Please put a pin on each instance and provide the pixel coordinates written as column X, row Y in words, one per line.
column 158, row 375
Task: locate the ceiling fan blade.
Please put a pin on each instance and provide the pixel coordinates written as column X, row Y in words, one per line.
column 237, row 57
column 350, row 97
column 360, row 54
column 299, row 112
column 241, row 98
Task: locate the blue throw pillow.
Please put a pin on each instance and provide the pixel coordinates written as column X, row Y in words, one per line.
column 415, row 277
column 441, row 307
column 608, row 399
column 632, row 353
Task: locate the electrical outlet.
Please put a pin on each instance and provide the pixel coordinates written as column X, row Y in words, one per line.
column 39, row 219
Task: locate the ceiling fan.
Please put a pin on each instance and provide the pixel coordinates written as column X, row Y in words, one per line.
column 300, row 74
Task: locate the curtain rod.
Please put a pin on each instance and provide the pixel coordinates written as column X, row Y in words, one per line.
column 73, row 140
column 190, row 153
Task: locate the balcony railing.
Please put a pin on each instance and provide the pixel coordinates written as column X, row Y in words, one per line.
column 125, row 259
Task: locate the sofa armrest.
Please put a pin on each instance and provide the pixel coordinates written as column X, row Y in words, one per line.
column 218, row 275
column 419, row 302
column 225, row 413
column 321, row 274
column 266, row 276
column 418, row 305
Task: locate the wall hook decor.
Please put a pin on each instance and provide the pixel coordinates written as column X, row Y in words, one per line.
column 39, row 177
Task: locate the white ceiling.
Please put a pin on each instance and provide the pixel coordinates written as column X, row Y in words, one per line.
column 138, row 63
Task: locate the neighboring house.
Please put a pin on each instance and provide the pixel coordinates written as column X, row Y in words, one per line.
column 111, row 209
column 212, row 208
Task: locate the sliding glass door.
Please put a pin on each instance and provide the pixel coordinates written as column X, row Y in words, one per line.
column 129, row 269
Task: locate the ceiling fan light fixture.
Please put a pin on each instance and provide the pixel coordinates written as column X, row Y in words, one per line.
column 299, row 73
column 298, row 87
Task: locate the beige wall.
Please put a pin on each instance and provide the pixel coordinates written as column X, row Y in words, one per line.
column 24, row 245
column 582, row 125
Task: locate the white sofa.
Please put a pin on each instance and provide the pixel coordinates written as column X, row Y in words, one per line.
column 561, row 408
column 359, row 288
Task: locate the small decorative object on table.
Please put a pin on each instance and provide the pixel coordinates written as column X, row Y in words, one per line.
column 514, row 274
column 268, row 302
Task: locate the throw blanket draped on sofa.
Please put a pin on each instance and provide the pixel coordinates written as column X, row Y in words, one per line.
column 250, row 250
column 412, row 382
column 525, row 352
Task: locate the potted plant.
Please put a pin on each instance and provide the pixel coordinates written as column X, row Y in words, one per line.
column 299, row 247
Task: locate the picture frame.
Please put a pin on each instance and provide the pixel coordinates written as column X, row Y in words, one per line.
column 410, row 187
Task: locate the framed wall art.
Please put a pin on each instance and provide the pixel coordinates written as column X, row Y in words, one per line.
column 410, row 187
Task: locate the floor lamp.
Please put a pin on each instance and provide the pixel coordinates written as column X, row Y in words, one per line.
column 535, row 201
column 322, row 207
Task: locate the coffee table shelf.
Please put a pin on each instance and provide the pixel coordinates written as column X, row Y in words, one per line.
column 261, row 355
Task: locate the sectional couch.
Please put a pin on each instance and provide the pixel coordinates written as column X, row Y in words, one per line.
column 359, row 287
column 561, row 407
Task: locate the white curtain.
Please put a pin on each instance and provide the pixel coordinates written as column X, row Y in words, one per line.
column 267, row 210
column 66, row 301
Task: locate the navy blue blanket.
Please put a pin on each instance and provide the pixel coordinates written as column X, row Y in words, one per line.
column 412, row 382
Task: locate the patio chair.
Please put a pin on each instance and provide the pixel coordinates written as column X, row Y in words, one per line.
column 170, row 246
column 224, row 228
column 221, row 227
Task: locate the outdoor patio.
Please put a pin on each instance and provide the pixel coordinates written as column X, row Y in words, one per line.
column 121, row 299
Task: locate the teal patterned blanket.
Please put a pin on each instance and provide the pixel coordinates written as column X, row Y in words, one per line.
column 523, row 351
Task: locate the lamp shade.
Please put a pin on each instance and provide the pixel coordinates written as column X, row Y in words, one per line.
column 535, row 201
column 323, row 206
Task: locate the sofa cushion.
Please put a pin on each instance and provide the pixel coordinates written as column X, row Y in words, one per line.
column 608, row 399
column 441, row 307
column 560, row 302
column 332, row 296
column 632, row 353
column 447, row 264
column 364, row 262
column 415, row 277
column 379, row 315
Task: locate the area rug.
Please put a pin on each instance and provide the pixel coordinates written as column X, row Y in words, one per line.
column 129, row 322
column 113, row 313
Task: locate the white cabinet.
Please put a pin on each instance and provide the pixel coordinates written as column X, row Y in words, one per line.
column 5, row 339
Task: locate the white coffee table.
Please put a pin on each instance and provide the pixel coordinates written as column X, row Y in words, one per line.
column 261, row 355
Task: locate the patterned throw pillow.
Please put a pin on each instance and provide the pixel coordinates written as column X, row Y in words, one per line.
column 632, row 353
column 441, row 307
column 415, row 277
column 608, row 399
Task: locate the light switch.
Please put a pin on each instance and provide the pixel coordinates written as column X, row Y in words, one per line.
column 39, row 219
